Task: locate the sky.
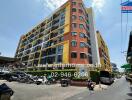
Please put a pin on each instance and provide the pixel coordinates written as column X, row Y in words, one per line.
column 17, row 17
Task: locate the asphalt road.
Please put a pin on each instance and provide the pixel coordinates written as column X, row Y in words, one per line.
column 120, row 90
column 24, row 91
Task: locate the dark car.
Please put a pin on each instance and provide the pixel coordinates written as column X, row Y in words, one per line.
column 106, row 78
column 12, row 77
column 20, row 73
column 2, row 75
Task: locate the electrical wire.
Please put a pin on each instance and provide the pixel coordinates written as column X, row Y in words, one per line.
column 126, row 32
column 121, row 32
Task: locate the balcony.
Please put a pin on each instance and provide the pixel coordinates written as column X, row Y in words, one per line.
column 41, row 35
column 49, row 20
column 37, row 55
column 56, row 15
column 53, row 34
column 55, row 27
column 31, row 56
column 55, row 22
column 38, row 42
column 25, row 58
column 42, row 29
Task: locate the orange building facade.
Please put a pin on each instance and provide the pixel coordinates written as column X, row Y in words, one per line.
column 64, row 37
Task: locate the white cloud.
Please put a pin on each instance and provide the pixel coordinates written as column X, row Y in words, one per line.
column 98, row 5
column 52, row 4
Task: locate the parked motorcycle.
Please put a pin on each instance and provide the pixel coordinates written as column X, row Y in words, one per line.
column 41, row 80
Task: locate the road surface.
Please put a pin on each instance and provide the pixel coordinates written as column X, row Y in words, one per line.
column 120, row 90
column 24, row 91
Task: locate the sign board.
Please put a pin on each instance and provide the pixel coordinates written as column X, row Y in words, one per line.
column 126, row 7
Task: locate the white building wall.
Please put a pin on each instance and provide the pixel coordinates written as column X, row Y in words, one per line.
column 93, row 37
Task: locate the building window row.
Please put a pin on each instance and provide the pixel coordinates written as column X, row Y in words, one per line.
column 75, row 3
column 81, row 26
column 81, row 35
column 74, row 44
column 82, row 44
column 73, row 33
column 74, row 17
column 82, row 55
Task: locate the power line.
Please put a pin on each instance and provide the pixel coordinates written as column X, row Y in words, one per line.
column 121, row 31
column 126, row 31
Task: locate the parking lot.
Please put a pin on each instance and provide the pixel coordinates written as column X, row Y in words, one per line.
column 24, row 91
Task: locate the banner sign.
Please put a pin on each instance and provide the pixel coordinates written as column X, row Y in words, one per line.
column 126, row 7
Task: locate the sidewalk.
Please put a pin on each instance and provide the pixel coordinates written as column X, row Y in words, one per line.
column 100, row 87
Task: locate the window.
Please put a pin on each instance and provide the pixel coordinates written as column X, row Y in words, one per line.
column 88, row 28
column 88, row 34
column 83, row 55
column 59, row 59
column 73, row 55
column 74, row 25
column 88, row 21
column 63, row 16
column 82, row 35
column 74, row 10
column 60, row 49
column 82, row 44
column 81, row 18
column 74, row 43
column 87, row 15
column 90, row 59
column 80, row 4
column 62, row 31
column 61, row 39
column 74, row 33
column 89, row 42
column 89, row 51
column 62, row 22
column 81, row 26
column 80, row 11
column 73, row 3
column 104, row 61
column 74, row 17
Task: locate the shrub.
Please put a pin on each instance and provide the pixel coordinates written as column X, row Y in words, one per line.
column 80, row 79
column 54, row 73
column 95, row 76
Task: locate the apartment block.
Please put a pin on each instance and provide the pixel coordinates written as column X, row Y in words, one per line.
column 68, row 36
column 103, row 53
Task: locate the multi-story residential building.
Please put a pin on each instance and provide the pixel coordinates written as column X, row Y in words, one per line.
column 129, row 51
column 103, row 53
column 68, row 36
column 114, row 67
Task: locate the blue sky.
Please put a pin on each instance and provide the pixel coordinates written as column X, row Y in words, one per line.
column 18, row 16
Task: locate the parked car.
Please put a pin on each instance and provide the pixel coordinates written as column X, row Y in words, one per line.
column 11, row 77
column 2, row 75
column 129, row 77
column 118, row 76
column 5, row 92
column 106, row 78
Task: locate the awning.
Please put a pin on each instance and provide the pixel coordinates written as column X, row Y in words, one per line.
column 126, row 66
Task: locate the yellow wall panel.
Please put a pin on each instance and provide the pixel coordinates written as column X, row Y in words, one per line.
column 66, row 52
column 67, row 19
